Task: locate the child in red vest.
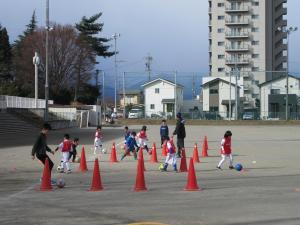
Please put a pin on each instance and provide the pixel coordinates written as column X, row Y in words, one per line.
column 98, row 140
column 65, row 148
column 142, row 139
column 171, row 156
column 226, row 150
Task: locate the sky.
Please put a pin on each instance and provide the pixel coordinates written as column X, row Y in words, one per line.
column 174, row 32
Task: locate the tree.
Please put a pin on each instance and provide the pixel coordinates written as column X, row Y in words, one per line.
column 31, row 27
column 88, row 29
column 66, row 52
column 5, row 57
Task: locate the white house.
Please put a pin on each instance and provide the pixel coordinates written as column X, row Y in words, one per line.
column 273, row 98
column 216, row 95
column 159, row 97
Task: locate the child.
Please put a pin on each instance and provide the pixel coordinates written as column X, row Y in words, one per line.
column 171, row 156
column 65, row 148
column 142, row 138
column 40, row 147
column 164, row 131
column 126, row 133
column 73, row 151
column 98, row 140
column 130, row 145
column 226, row 150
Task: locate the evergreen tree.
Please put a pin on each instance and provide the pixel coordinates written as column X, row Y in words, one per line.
column 88, row 29
column 30, row 28
column 5, row 57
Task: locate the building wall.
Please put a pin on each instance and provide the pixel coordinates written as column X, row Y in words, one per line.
column 265, row 91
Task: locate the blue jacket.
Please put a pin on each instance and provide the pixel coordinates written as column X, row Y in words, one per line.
column 164, row 131
column 131, row 143
column 126, row 135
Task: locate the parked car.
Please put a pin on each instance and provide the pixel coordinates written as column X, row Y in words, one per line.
column 135, row 114
column 248, row 116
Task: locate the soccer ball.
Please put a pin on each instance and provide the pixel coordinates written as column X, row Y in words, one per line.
column 161, row 166
column 104, row 151
column 238, row 167
column 60, row 183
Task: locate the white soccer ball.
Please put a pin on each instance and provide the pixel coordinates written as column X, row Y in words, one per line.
column 104, row 151
column 58, row 168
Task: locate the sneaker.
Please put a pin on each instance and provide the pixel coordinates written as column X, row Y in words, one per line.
column 231, row 167
column 61, row 171
column 218, row 167
column 69, row 171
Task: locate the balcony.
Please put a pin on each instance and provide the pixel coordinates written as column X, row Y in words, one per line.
column 280, row 12
column 238, row 61
column 280, row 48
column 237, row 48
column 209, row 10
column 237, row 9
column 232, row 35
column 281, row 23
column 234, row 22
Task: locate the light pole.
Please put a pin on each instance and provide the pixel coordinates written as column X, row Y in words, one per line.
column 36, row 63
column 115, row 37
column 47, row 48
column 288, row 31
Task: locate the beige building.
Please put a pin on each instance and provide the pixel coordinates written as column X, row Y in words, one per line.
column 244, row 36
column 132, row 97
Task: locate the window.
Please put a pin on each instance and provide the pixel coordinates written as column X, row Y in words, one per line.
column 255, row 42
column 221, row 17
column 255, row 17
column 255, row 69
column 221, row 43
column 221, row 30
column 255, row 56
column 275, row 91
column 221, row 57
column 254, row 29
column 156, row 90
column 152, row 106
column 220, row 4
column 255, row 3
column 221, row 69
column 214, row 109
column 213, row 91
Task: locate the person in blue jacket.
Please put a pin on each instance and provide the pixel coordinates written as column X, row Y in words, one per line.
column 164, row 131
column 130, row 145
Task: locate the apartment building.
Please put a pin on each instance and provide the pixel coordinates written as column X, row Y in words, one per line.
column 244, row 37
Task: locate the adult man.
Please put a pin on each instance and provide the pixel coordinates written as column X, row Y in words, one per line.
column 180, row 132
column 40, row 147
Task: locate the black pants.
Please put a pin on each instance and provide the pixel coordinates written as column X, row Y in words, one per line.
column 43, row 160
column 74, row 153
column 180, row 145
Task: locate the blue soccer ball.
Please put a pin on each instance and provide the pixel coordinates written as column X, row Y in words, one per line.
column 238, row 167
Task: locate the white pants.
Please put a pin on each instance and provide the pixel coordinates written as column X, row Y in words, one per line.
column 142, row 142
column 171, row 159
column 97, row 144
column 224, row 156
column 65, row 161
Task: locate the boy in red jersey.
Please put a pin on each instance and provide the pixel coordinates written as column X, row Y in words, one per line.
column 226, row 150
column 142, row 139
column 65, row 148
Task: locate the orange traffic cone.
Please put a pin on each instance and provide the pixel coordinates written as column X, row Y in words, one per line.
column 196, row 154
column 164, row 149
column 96, row 182
column 206, row 143
column 46, row 180
column 154, row 154
column 183, row 166
column 204, row 150
column 192, row 180
column 113, row 154
column 141, row 157
column 83, row 166
column 140, row 184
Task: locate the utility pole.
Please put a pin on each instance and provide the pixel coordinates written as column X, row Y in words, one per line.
column 193, row 88
column 124, row 113
column 236, row 92
column 149, row 60
column 97, row 84
column 103, row 104
column 115, row 37
column 175, row 95
column 230, row 108
column 47, row 49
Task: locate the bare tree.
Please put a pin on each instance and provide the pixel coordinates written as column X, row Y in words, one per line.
column 68, row 57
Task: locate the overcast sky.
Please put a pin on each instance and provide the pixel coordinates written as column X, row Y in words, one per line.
column 174, row 32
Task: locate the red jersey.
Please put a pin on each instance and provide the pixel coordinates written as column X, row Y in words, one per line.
column 143, row 134
column 98, row 134
column 226, row 146
column 66, row 146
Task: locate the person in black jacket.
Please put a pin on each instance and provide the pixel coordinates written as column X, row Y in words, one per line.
column 40, row 147
column 180, row 132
